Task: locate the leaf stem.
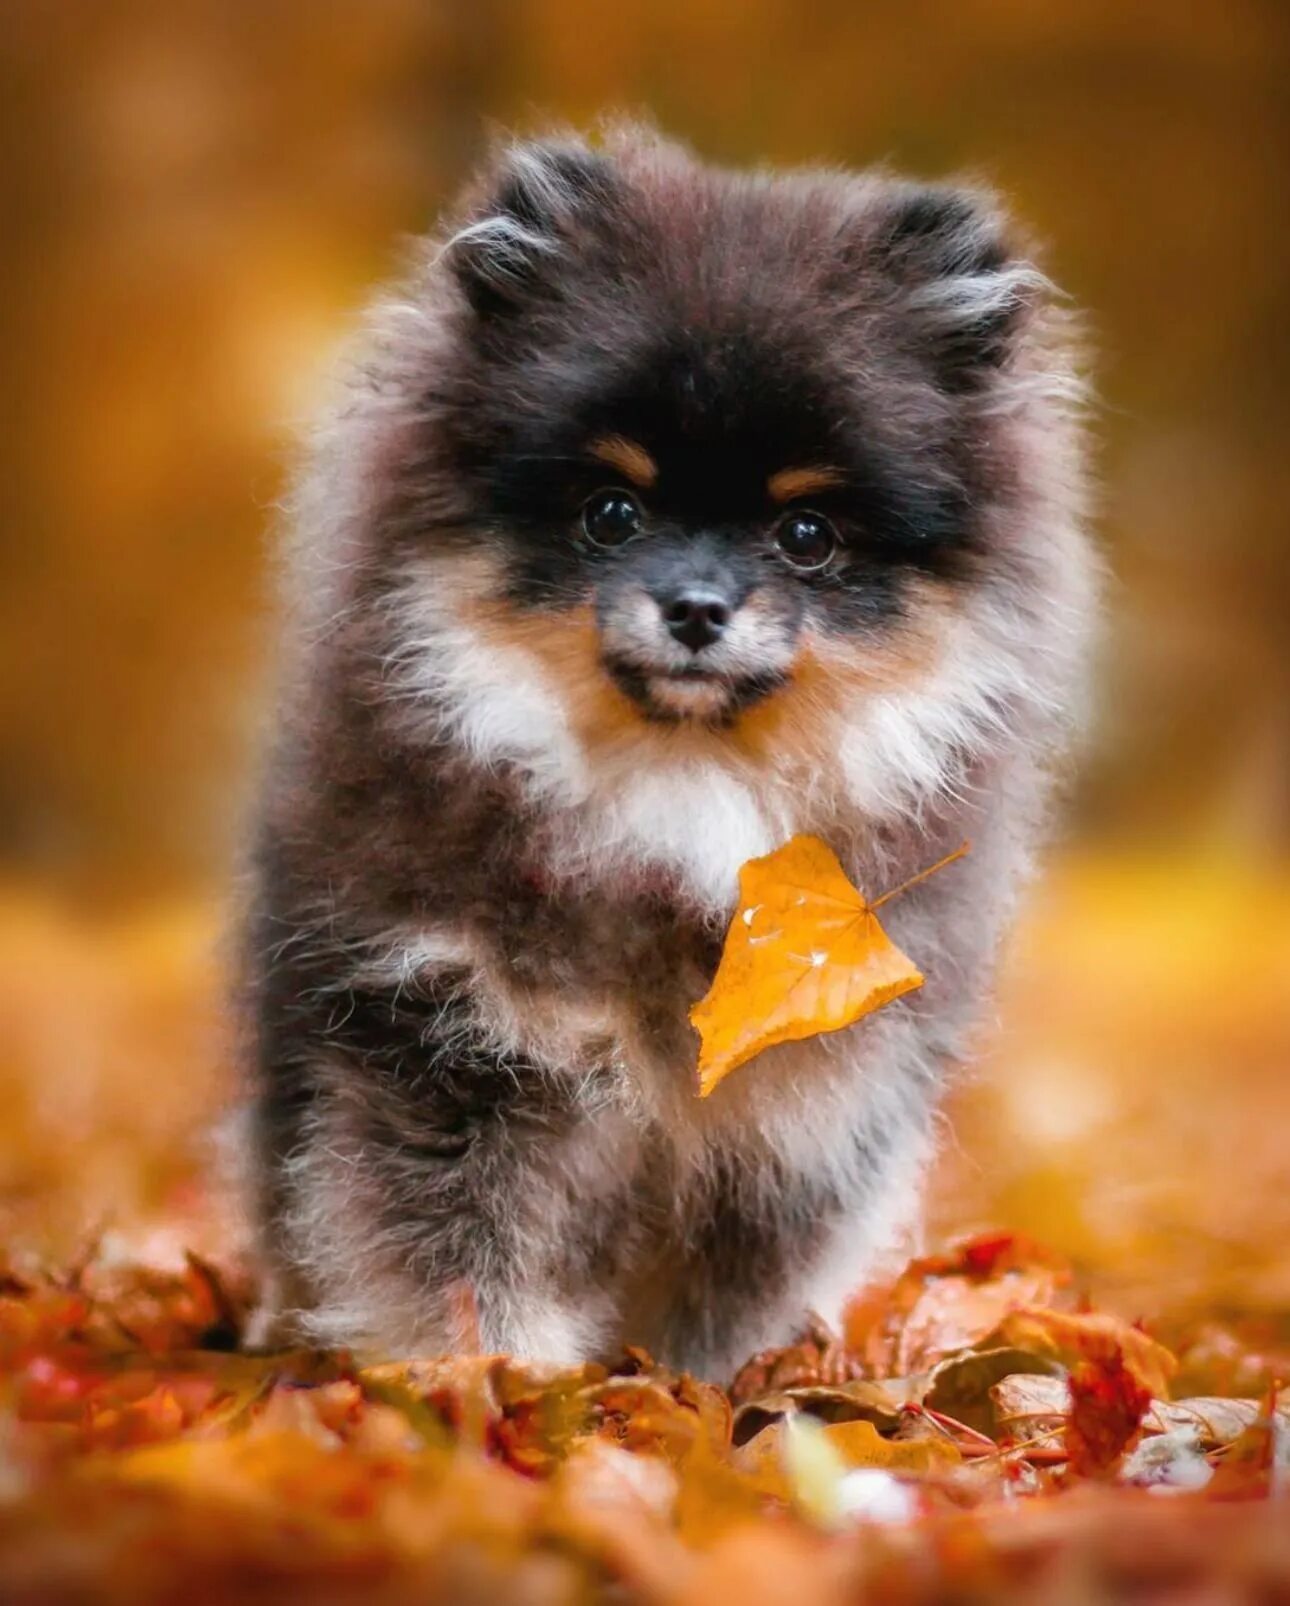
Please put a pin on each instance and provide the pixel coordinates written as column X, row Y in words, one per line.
column 922, row 875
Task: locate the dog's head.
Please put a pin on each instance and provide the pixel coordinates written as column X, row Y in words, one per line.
column 695, row 438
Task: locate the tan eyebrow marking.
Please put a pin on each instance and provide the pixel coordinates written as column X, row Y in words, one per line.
column 792, row 482
column 628, row 457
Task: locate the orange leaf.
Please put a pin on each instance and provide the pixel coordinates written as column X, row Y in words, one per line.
column 804, row 954
column 861, row 1445
column 1089, row 1336
column 948, row 1302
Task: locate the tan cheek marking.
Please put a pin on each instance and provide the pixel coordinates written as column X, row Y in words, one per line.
column 568, row 646
column 790, row 483
column 830, row 671
column 628, row 457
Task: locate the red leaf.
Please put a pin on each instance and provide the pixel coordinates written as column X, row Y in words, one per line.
column 1105, row 1421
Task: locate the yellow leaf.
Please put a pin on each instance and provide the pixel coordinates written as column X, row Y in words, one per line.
column 805, row 954
column 861, row 1445
column 818, row 1461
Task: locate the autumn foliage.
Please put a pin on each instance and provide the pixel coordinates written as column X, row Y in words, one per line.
column 958, row 1432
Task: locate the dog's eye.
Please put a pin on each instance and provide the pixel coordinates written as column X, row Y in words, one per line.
column 806, row 540
column 611, row 517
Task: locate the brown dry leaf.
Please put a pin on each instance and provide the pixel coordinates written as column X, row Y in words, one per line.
column 942, row 1304
column 962, row 1386
column 817, row 1356
column 1029, row 1405
column 1215, row 1421
column 877, row 1403
column 804, row 954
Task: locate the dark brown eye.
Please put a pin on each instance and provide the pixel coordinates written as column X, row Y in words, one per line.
column 611, row 517
column 806, row 540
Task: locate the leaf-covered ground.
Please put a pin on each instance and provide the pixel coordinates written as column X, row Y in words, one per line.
column 968, row 1434
column 1080, row 1404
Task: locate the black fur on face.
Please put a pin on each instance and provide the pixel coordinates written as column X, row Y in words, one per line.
column 683, row 337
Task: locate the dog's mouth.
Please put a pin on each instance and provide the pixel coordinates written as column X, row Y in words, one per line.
column 695, row 693
column 692, row 674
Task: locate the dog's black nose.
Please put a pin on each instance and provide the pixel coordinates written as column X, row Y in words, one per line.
column 696, row 617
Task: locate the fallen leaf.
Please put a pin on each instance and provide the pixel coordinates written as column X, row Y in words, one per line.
column 1030, row 1406
column 618, row 1507
column 804, row 954
column 1090, row 1336
column 817, row 1356
column 1215, row 1421
column 962, row 1385
column 988, row 1254
column 860, row 1444
column 1104, row 1423
column 861, row 1400
column 487, row 1477
column 942, row 1304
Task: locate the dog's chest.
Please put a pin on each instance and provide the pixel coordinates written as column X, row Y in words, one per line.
column 685, row 825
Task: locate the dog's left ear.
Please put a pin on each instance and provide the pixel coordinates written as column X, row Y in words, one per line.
column 541, row 193
column 964, row 287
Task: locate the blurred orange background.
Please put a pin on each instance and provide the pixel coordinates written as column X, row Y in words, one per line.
column 200, row 195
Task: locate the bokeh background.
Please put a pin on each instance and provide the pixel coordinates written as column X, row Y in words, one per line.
column 198, row 195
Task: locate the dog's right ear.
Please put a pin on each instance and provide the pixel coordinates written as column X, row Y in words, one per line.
column 541, row 194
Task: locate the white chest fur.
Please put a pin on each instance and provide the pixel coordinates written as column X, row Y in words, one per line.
column 696, row 820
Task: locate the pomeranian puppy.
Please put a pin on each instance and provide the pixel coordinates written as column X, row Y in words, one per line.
column 666, row 512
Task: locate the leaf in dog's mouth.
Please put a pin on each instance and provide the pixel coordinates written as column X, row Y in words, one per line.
column 805, row 954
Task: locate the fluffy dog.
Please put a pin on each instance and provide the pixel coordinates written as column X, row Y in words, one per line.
column 665, row 512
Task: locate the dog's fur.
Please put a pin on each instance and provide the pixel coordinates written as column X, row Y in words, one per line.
column 506, row 810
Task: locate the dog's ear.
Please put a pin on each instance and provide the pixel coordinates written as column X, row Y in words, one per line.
column 538, row 197
column 960, row 281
